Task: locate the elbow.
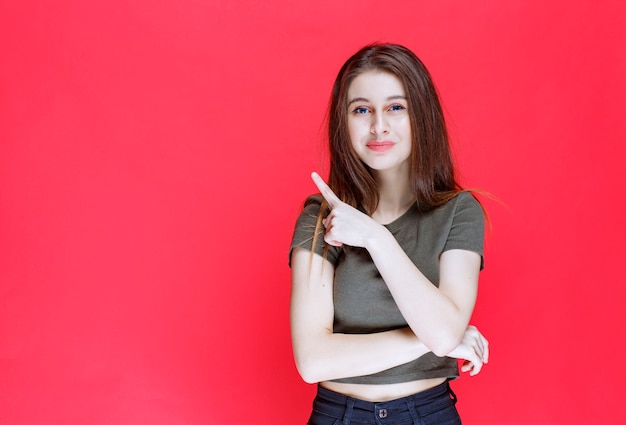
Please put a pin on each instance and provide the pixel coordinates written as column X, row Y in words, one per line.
column 442, row 351
column 309, row 379
column 442, row 346
column 308, row 373
column 444, row 339
column 312, row 360
column 308, row 369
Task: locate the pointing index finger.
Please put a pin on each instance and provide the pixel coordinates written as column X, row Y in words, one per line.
column 325, row 190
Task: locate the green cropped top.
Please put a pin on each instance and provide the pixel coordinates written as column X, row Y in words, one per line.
column 362, row 301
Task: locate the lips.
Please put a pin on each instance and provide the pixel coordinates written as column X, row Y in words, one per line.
column 383, row 146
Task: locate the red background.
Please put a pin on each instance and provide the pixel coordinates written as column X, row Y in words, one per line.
column 153, row 157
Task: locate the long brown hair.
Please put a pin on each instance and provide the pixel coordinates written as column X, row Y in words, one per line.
column 431, row 176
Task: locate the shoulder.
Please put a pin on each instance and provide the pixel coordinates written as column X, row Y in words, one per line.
column 309, row 231
column 311, row 208
column 469, row 206
column 466, row 201
column 462, row 204
column 313, row 202
column 467, row 197
column 467, row 224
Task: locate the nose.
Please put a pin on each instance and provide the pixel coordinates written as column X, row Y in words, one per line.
column 379, row 124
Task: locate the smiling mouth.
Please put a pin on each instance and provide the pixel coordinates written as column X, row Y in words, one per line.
column 380, row 146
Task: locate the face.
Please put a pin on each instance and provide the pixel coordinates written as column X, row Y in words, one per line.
column 378, row 121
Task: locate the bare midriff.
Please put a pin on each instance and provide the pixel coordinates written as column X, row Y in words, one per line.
column 378, row 393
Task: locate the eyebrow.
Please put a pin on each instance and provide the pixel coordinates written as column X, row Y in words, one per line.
column 362, row 99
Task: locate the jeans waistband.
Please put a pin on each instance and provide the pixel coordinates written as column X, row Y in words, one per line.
column 392, row 411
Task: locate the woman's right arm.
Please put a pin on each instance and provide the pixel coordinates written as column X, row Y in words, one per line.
column 322, row 355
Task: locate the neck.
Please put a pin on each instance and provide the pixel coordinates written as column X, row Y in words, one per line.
column 395, row 196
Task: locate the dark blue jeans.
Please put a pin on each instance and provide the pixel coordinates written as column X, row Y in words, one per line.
column 434, row 406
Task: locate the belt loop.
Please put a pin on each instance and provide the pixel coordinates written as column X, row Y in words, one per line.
column 347, row 416
column 452, row 395
column 411, row 405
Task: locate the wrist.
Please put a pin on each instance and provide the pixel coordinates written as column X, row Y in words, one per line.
column 378, row 238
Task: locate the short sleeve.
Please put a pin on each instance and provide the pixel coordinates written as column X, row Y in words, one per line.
column 305, row 230
column 468, row 226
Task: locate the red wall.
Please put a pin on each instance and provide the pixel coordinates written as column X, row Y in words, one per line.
column 153, row 157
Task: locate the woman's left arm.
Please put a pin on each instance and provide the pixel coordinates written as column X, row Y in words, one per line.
column 438, row 316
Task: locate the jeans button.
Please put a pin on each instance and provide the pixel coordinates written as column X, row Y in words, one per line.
column 382, row 413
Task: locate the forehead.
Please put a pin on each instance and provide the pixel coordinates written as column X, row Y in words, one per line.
column 374, row 85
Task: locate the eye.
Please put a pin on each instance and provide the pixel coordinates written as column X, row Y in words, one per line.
column 360, row 110
column 396, row 107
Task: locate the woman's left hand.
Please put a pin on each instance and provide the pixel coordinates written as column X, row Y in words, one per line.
column 344, row 225
column 474, row 350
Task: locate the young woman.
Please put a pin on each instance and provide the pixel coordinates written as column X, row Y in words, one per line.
column 385, row 264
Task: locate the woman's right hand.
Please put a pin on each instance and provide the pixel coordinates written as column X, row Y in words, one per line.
column 473, row 349
column 345, row 225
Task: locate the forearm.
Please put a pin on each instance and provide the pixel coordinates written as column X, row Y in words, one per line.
column 432, row 314
column 328, row 356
